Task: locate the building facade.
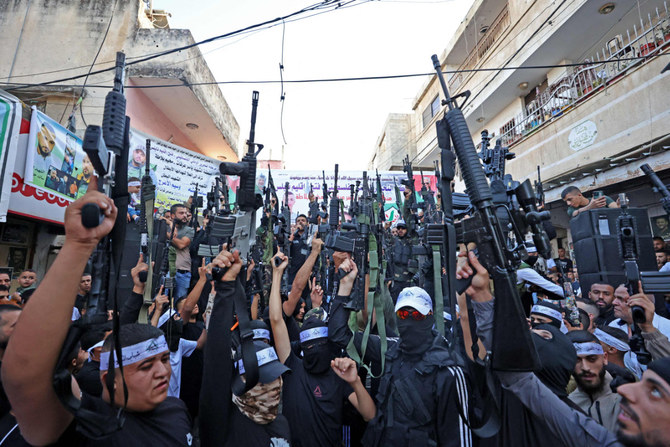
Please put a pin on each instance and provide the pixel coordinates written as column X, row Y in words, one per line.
column 572, row 87
column 172, row 97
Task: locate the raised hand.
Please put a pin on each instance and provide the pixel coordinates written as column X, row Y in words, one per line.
column 282, row 265
column 345, row 368
column 76, row 232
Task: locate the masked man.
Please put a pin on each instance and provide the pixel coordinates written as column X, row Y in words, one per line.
column 423, row 392
column 319, row 384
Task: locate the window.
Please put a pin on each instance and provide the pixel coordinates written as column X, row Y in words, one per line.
column 508, row 132
column 431, row 110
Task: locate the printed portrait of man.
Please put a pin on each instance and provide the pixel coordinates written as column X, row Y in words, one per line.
column 46, row 141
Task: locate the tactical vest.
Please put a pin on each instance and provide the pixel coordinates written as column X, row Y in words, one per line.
column 403, row 268
column 406, row 409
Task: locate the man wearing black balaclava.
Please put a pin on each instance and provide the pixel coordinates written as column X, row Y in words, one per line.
column 557, row 356
column 320, row 383
column 422, row 387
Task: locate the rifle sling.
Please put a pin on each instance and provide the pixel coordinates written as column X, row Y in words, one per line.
column 374, row 301
column 239, row 386
column 439, row 297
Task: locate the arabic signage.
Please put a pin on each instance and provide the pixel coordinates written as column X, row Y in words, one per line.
column 174, row 170
column 300, row 183
column 582, row 135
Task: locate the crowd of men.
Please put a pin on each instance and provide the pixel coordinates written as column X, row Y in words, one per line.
column 323, row 377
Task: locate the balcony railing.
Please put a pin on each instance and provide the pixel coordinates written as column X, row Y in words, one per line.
column 581, row 82
column 483, row 46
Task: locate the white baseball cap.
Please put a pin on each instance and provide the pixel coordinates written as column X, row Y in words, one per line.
column 416, row 298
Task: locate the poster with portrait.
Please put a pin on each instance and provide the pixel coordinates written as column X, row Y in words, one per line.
column 55, row 160
column 174, row 170
column 10, row 126
column 17, row 259
column 660, row 226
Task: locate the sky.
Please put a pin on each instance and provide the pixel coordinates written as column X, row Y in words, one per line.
column 323, row 123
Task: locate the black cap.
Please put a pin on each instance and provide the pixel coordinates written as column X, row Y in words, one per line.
column 269, row 366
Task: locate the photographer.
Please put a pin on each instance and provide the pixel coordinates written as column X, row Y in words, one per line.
column 30, row 359
column 577, row 203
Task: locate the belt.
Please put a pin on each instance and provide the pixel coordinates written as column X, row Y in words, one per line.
column 183, row 271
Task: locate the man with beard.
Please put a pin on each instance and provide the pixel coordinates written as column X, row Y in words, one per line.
column 593, row 393
column 624, row 317
column 137, row 162
column 46, row 140
column 319, row 384
column 299, row 249
column 181, row 235
column 644, row 420
column 602, row 294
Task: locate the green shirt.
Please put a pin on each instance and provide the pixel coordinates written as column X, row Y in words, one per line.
column 571, row 210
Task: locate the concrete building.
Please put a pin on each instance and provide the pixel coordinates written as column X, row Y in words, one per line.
column 591, row 126
column 45, row 41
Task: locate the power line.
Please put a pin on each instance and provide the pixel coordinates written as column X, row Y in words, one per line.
column 329, row 5
column 346, row 79
column 81, row 95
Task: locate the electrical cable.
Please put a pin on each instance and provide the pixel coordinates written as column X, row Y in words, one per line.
column 346, row 79
column 131, row 58
column 281, row 88
column 78, row 103
column 316, row 6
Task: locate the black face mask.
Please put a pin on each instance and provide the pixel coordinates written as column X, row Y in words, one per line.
column 531, row 260
column 415, row 336
column 316, row 360
column 558, row 359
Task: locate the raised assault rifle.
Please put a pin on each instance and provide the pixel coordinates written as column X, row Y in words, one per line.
column 495, row 256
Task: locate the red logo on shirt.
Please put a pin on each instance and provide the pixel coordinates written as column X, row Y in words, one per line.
column 317, row 391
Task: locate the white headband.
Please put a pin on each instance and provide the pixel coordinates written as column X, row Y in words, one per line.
column 311, row 334
column 264, row 356
column 97, row 345
column 546, row 311
column 135, row 353
column 166, row 315
column 261, row 334
column 134, row 184
column 611, row 340
column 588, row 348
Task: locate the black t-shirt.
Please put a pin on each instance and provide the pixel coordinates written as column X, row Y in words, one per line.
column 313, row 405
column 566, row 264
column 166, row 425
column 10, row 433
column 244, row 431
column 88, row 378
column 4, row 402
column 191, row 370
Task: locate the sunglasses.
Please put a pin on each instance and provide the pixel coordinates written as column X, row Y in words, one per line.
column 405, row 314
